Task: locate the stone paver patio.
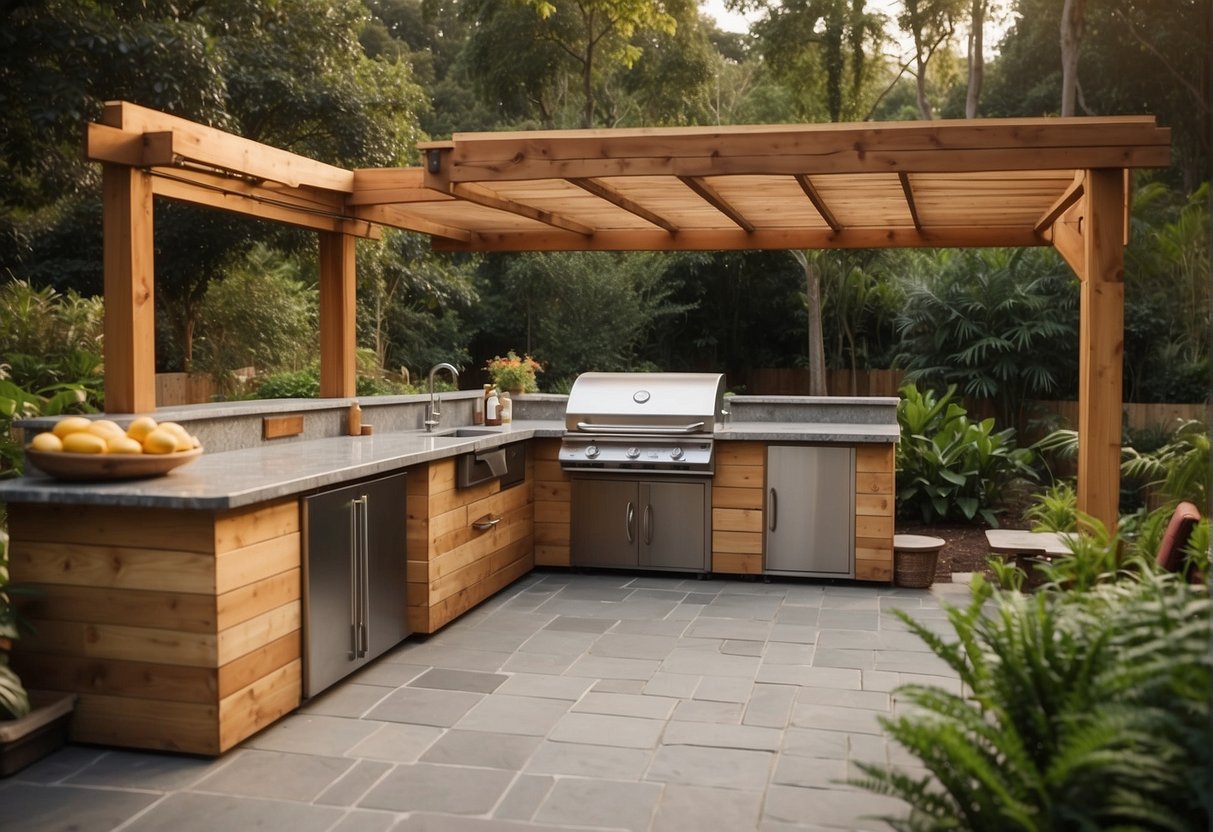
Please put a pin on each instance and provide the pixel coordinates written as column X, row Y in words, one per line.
column 567, row 701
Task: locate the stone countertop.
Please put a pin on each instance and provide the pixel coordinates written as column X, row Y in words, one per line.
column 221, row 481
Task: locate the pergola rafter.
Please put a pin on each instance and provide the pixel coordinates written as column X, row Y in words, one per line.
column 980, row 182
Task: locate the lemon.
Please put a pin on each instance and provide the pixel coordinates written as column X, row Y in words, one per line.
column 70, row 424
column 160, row 441
column 122, row 444
column 46, row 442
column 184, row 440
column 140, row 428
column 81, row 442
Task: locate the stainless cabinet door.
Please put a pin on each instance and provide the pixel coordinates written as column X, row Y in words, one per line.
column 387, row 588
column 673, row 525
column 810, row 510
column 605, row 522
column 330, row 583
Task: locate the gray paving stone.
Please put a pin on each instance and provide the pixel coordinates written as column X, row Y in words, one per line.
column 907, row 661
column 623, row 704
column 607, row 667
column 814, row 742
column 725, row 768
column 770, row 706
column 276, row 775
column 851, row 639
column 835, row 718
column 860, row 659
column 676, row 685
column 193, row 812
column 702, row 710
column 546, row 686
column 602, row 803
column 508, row 620
column 856, row 602
column 880, row 680
column 351, row 786
column 661, row 594
column 362, row 820
column 539, row 663
column 308, row 734
column 455, row 658
column 698, row 598
column 702, row 663
column 514, row 715
column 811, row 772
column 651, row 627
column 734, row 647
column 835, row 619
column 486, row 636
column 482, row 748
column 524, row 797
column 397, row 742
column 794, row 633
column 737, row 629
column 429, row 788
column 388, row 674
column 870, row 748
column 350, row 700
column 724, row 689
column 717, row 735
column 580, row 760
column 602, row 729
column 633, row 646
column 758, row 607
column 469, row 680
column 425, row 707
column 787, row 653
column 684, row 808
column 570, row 643
column 570, row 623
column 68, row 760
column 789, row 614
column 629, row 686
column 155, row 772
column 28, row 807
column 869, row 699
column 830, row 808
column 587, row 592
column 825, row 677
column 892, row 640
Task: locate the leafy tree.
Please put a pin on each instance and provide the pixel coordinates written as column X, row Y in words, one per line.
column 930, row 25
column 1000, row 324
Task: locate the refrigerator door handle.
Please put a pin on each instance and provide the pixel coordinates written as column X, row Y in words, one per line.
column 774, row 510
column 364, row 556
column 354, row 585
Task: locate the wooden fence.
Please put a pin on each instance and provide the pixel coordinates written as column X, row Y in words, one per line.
column 183, row 388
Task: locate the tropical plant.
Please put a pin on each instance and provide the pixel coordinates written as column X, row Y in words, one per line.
column 14, row 700
column 1055, row 509
column 1180, row 468
column 1080, row 710
column 949, row 466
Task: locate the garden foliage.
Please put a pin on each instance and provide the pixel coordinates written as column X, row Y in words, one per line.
column 948, row 465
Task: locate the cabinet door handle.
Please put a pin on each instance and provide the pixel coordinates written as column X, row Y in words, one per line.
column 629, row 518
column 648, row 524
column 485, row 523
column 773, row 507
column 355, row 585
column 366, row 576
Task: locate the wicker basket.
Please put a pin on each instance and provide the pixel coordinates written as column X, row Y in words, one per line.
column 915, row 560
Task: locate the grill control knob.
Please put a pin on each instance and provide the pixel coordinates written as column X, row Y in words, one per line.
column 591, row 451
column 633, row 453
column 675, row 452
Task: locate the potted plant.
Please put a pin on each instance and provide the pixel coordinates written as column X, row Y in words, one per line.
column 32, row 723
column 514, row 374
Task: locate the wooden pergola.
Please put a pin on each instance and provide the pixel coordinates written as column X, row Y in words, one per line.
column 984, row 182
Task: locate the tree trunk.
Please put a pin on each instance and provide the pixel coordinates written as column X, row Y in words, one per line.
column 977, row 61
column 1073, row 22
column 924, row 105
column 587, row 74
column 817, row 350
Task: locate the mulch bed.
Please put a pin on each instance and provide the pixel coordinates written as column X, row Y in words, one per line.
column 966, row 549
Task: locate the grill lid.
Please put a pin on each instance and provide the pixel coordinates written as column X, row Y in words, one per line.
column 652, row 403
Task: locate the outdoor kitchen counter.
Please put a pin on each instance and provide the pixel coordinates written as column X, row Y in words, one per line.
column 222, row 481
column 835, row 432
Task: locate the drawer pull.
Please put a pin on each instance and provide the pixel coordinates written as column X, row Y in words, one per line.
column 485, row 523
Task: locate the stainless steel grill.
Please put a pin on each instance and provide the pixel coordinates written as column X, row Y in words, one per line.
column 631, row 422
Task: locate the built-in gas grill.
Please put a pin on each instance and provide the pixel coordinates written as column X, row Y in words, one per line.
column 640, row 449
column 634, row 422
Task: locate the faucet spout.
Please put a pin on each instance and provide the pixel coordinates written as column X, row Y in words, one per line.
column 433, row 415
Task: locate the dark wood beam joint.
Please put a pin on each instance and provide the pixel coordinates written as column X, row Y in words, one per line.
column 909, row 194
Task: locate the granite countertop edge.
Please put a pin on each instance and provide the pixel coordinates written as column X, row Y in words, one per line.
column 234, row 479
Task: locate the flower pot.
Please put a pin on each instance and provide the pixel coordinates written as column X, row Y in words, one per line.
column 38, row 733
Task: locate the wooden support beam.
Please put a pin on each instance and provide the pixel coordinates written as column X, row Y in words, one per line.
column 1066, row 233
column 1101, row 347
column 604, row 191
column 810, row 190
column 709, row 195
column 906, row 189
column 338, row 377
column 481, row 195
column 1062, row 204
column 103, row 143
column 210, row 146
column 397, row 218
column 129, row 268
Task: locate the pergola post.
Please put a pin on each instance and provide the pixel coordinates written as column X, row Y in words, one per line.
column 337, row 315
column 1101, row 346
column 129, row 268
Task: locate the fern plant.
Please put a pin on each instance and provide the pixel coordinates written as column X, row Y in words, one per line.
column 1082, row 710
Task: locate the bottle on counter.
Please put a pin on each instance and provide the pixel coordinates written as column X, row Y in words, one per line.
column 492, row 408
column 478, row 411
column 507, row 408
column 354, row 420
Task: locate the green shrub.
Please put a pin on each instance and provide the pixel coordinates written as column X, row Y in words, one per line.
column 1055, row 509
column 305, row 384
column 1081, row 710
column 949, row 466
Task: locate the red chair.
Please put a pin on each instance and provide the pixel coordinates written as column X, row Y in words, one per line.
column 1171, row 556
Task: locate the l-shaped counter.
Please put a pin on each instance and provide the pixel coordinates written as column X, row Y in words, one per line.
column 172, row 606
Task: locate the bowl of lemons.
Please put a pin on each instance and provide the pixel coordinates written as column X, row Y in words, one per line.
column 78, row 448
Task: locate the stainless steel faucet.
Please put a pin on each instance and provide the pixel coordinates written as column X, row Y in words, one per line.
column 433, row 415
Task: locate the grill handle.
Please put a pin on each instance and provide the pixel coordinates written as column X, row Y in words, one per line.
column 589, row 427
column 629, row 518
column 774, row 501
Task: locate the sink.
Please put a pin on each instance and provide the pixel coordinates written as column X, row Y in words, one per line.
column 466, row 432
